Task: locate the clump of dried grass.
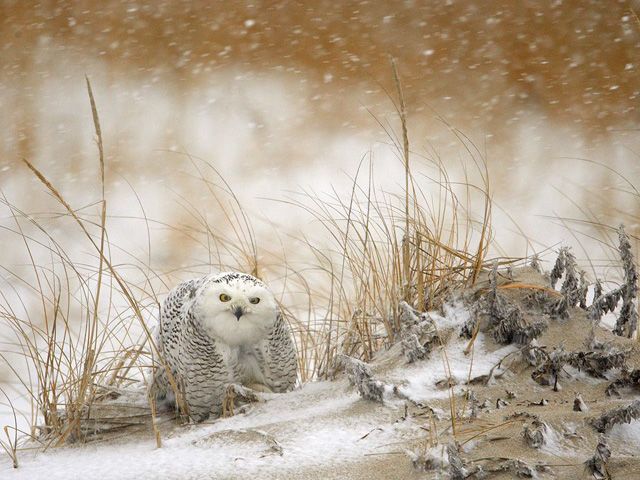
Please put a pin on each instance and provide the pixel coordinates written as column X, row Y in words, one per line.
column 91, row 334
column 69, row 345
column 414, row 246
column 506, row 319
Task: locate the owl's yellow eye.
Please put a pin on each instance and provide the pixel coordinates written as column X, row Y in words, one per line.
column 254, row 300
column 224, row 297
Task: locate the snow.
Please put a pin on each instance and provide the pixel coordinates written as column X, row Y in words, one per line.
column 554, row 444
column 455, row 315
column 323, row 423
column 626, row 437
column 309, row 425
column 420, row 383
column 313, row 430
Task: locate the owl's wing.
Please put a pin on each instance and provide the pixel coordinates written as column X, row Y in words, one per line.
column 192, row 355
column 173, row 306
column 203, row 371
column 167, row 334
column 280, row 357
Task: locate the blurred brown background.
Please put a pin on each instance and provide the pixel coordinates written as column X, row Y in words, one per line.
column 269, row 90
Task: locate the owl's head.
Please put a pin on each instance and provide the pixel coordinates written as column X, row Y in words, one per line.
column 235, row 308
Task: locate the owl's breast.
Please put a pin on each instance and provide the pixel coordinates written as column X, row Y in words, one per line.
column 246, row 363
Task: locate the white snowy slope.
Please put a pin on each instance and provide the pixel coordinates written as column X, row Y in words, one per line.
column 322, row 430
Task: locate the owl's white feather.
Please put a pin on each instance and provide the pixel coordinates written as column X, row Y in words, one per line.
column 222, row 329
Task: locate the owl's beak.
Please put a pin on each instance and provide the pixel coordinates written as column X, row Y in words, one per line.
column 238, row 312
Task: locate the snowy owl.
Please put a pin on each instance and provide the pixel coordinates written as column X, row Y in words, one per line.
column 221, row 329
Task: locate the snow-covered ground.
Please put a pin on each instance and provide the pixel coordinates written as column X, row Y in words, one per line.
column 320, row 425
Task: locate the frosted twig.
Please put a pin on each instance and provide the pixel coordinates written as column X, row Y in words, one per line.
column 592, row 362
column 558, row 267
column 535, row 263
column 506, row 318
column 579, row 405
column 535, row 434
column 457, row 470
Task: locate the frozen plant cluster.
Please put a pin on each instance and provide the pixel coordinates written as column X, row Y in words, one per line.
column 418, row 333
column 627, row 322
column 361, row 377
column 615, row 416
column 506, row 319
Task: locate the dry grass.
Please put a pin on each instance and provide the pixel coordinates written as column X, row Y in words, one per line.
column 82, row 330
column 80, row 338
column 381, row 254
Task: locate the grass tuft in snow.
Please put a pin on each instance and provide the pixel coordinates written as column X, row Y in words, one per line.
column 597, row 464
column 616, row 416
